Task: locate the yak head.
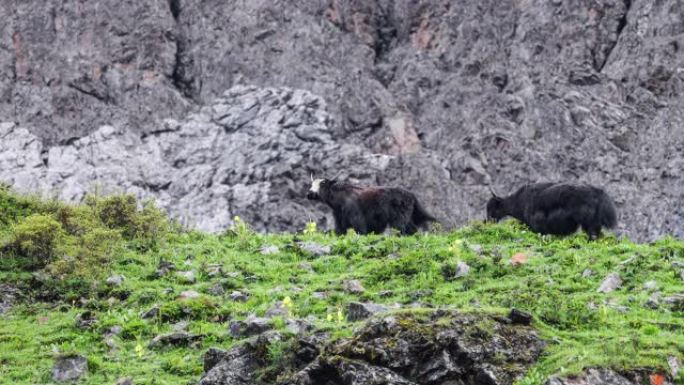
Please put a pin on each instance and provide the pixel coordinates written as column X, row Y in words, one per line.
column 319, row 189
column 495, row 207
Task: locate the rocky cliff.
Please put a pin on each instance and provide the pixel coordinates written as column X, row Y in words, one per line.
column 224, row 108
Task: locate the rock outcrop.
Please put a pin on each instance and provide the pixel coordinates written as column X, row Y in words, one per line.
column 436, row 96
column 433, row 347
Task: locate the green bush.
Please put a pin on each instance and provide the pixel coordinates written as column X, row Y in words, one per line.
column 37, row 239
column 146, row 226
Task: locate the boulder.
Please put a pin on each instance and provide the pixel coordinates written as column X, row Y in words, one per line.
column 69, row 368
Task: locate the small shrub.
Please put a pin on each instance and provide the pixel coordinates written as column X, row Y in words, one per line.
column 37, row 239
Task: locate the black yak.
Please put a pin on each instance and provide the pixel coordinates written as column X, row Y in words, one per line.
column 370, row 209
column 557, row 208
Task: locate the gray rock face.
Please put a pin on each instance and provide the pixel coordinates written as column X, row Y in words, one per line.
column 434, row 96
column 69, row 369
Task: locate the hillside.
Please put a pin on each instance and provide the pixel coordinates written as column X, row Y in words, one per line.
column 139, row 298
column 220, row 108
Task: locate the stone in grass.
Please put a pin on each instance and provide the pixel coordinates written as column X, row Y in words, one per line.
column 357, row 311
column 239, row 296
column 675, row 302
column 269, row 250
column 675, row 366
column 277, row 310
column 164, row 268
column 217, row 290
column 353, row 286
column 125, row 381
column 115, row 280
column 462, row 270
column 319, row 294
column 214, row 270
column 650, row 285
column 306, row 266
column 175, row 339
column 314, row 248
column 653, row 301
column 69, row 368
column 519, row 317
column 189, row 294
column 249, row 327
column 187, row 276
column 152, row 313
column 85, row 320
column 587, row 273
column 610, row 283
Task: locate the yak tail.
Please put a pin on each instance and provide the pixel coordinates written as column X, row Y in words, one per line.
column 420, row 215
column 606, row 212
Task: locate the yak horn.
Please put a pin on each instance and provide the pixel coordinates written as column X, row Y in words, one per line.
column 312, row 177
column 491, row 189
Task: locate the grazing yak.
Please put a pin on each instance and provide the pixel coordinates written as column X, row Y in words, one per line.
column 557, row 208
column 369, row 209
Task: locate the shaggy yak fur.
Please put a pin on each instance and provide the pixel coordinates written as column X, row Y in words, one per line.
column 557, row 208
column 370, row 209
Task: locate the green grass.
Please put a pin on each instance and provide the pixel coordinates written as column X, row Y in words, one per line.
column 584, row 328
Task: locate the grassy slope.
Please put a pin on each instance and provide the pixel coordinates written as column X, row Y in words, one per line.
column 585, row 328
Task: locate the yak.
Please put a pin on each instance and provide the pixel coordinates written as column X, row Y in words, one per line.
column 370, row 209
column 557, row 208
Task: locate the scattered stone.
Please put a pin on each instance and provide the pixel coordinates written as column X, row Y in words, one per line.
column 85, row 320
column 386, row 293
column 217, row 290
column 152, row 313
column 189, row 294
column 277, row 310
column 319, row 294
column 675, row 366
column 180, row 326
column 650, row 285
column 519, row 317
column 125, row 381
column 477, row 249
column 8, row 296
column 653, row 301
column 306, row 266
column 462, row 270
column 675, row 302
column 233, row 274
column 299, row 326
column 114, row 330
column 353, row 286
column 164, row 268
column 115, row 280
column 167, row 291
column 238, row 296
column 249, row 327
column 314, row 248
column 422, row 293
column 269, row 250
column 212, row 357
column 357, row 311
column 175, row 339
column 610, row 283
column 69, row 368
column 587, row 273
column 214, row 270
column 187, row 276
